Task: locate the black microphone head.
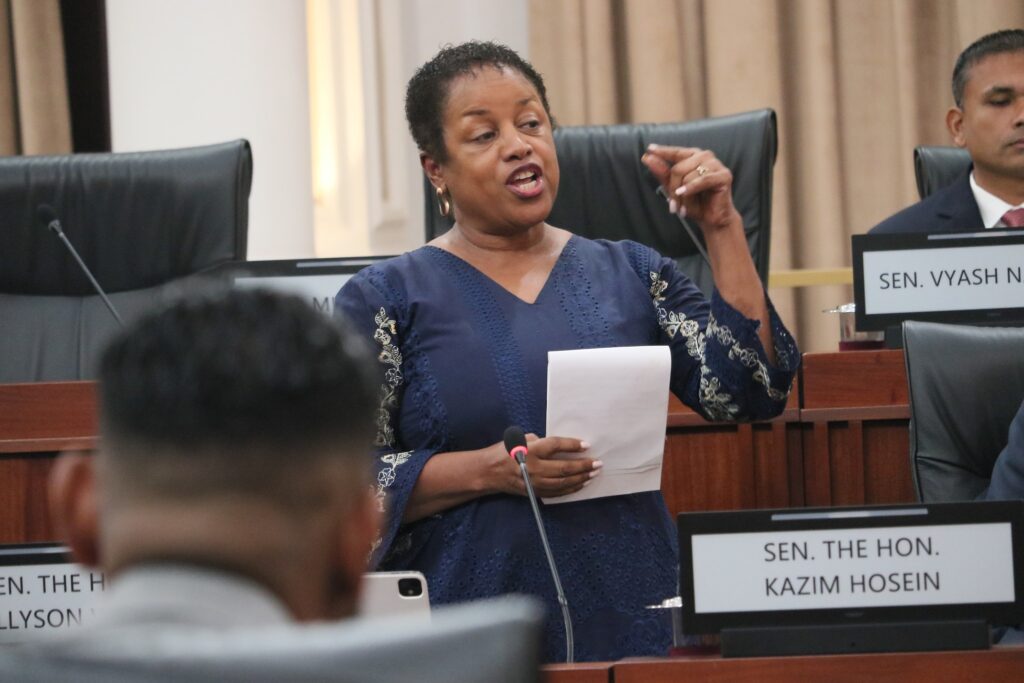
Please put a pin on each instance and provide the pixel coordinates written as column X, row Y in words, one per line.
column 514, row 438
column 46, row 215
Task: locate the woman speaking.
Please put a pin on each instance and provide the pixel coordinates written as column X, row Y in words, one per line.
column 463, row 327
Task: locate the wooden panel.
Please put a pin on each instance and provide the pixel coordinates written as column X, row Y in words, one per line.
column 733, row 467
column 887, row 475
column 854, row 418
column 24, row 512
column 707, row 468
column 998, row 664
column 47, row 416
column 36, row 422
column 726, row 466
column 846, row 462
column 852, row 379
column 817, row 462
column 680, row 415
column 771, row 466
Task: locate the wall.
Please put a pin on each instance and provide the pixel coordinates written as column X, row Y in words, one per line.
column 426, row 25
column 192, row 72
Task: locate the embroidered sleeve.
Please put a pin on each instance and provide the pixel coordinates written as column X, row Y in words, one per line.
column 361, row 304
column 719, row 365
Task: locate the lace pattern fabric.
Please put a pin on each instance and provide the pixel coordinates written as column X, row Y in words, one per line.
column 717, row 349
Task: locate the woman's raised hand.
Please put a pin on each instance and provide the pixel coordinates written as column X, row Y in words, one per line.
column 698, row 185
column 551, row 477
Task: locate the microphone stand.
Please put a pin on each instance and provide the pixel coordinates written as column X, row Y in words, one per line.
column 563, row 603
column 49, row 218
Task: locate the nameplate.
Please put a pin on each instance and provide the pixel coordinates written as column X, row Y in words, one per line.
column 829, row 566
column 315, row 280
column 42, row 593
column 974, row 277
column 317, row 290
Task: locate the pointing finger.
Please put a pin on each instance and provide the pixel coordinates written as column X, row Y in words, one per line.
column 672, row 155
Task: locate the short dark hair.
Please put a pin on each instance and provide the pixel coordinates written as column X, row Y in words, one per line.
column 427, row 92
column 254, row 379
column 1010, row 40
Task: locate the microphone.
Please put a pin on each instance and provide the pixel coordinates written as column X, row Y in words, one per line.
column 515, row 444
column 656, row 186
column 48, row 217
column 689, row 230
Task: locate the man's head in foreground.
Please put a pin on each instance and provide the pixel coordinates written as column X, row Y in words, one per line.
column 988, row 119
column 235, row 430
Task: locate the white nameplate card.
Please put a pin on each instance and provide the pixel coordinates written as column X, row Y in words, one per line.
column 841, row 566
column 315, row 280
column 978, row 277
column 43, row 599
column 850, row 568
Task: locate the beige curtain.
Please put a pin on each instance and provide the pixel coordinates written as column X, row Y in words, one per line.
column 34, row 114
column 857, row 84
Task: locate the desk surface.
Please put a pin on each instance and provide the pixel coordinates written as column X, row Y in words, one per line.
column 997, row 664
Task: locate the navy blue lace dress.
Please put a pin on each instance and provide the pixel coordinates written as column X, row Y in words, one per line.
column 464, row 359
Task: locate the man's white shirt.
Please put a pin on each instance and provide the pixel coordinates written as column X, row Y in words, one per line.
column 991, row 207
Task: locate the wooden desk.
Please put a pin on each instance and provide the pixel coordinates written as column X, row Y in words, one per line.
column 584, row 672
column 854, row 414
column 720, row 466
column 842, row 440
column 997, row 664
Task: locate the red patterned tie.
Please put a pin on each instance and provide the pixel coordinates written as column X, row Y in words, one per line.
column 1014, row 218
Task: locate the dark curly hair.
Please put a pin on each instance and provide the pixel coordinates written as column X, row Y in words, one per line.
column 239, row 375
column 427, row 92
column 1011, row 40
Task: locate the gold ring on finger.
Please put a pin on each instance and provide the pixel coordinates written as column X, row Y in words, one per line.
column 702, row 170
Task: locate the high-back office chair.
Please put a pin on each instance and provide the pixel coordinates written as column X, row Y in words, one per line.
column 966, row 384
column 937, row 167
column 138, row 220
column 492, row 641
column 606, row 192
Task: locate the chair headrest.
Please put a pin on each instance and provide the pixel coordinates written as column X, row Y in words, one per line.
column 137, row 219
column 938, row 167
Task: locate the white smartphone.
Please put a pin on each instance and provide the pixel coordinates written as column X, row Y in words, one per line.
column 386, row 594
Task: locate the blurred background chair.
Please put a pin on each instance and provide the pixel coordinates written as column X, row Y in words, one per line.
column 937, row 167
column 606, row 192
column 966, row 384
column 139, row 221
column 490, row 641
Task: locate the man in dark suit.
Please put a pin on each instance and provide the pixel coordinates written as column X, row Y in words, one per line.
column 988, row 121
column 1008, row 474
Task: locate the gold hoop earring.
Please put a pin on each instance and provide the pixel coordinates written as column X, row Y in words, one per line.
column 444, row 202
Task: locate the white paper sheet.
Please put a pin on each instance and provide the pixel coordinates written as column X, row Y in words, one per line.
column 617, row 400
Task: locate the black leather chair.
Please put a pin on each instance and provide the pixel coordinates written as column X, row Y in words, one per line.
column 937, row 167
column 138, row 220
column 966, row 384
column 606, row 192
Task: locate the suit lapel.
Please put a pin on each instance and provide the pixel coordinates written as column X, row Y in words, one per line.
column 957, row 210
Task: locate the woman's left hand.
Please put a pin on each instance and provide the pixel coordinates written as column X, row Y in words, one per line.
column 697, row 183
column 699, row 186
